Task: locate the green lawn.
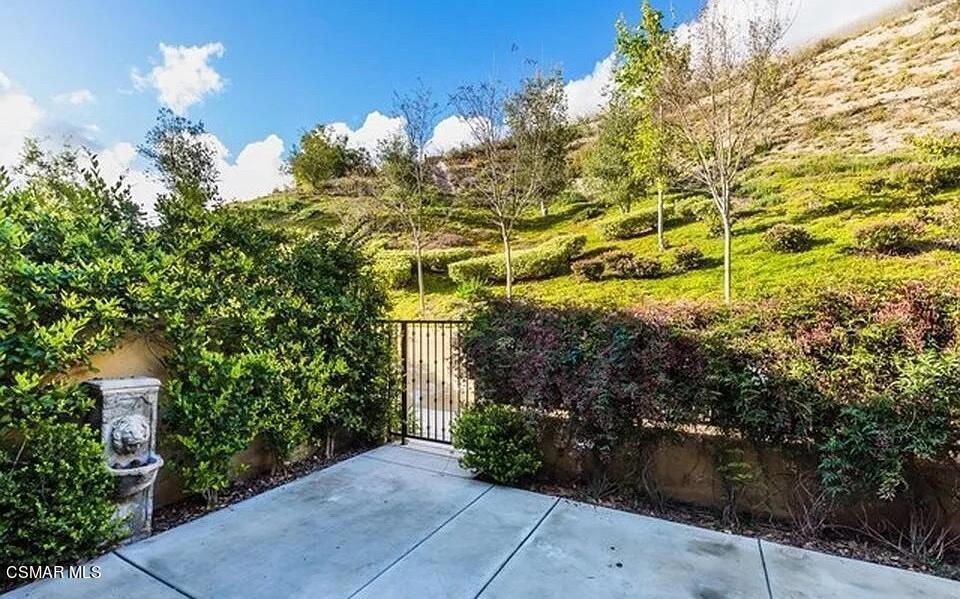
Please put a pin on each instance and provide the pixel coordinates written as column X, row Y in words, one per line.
column 824, row 194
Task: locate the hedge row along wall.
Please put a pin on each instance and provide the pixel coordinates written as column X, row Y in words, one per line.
column 863, row 384
column 269, row 339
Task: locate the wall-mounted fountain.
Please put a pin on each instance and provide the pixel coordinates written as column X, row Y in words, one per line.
column 127, row 417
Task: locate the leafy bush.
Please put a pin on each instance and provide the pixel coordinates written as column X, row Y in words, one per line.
column 75, row 261
column 920, row 180
column 628, row 226
column 547, row 260
column 685, row 258
column 588, row 270
column 394, row 268
column 437, row 261
column 787, row 239
column 867, row 380
column 625, row 265
column 702, row 210
column 888, row 237
column 946, row 145
column 498, row 442
column 55, row 497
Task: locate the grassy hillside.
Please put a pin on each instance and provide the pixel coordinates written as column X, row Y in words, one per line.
column 843, row 162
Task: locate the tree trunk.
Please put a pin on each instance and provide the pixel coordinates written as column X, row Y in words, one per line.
column 727, row 247
column 660, row 241
column 507, row 260
column 543, row 207
column 418, row 254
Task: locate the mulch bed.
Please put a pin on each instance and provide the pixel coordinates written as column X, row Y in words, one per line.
column 835, row 541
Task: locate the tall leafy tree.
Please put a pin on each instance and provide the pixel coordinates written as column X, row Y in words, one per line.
column 408, row 180
column 644, row 52
column 719, row 93
column 515, row 138
column 608, row 161
column 322, row 155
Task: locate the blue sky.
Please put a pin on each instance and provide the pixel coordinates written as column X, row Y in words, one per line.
column 262, row 72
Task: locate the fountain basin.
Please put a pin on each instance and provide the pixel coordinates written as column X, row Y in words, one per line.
column 137, row 476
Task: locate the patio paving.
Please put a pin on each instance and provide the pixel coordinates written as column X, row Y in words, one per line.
column 408, row 522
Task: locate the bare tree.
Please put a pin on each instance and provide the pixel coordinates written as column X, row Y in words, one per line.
column 408, row 187
column 516, row 140
column 719, row 94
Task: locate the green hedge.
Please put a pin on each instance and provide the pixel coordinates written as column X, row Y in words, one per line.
column 628, row 226
column 270, row 336
column 397, row 268
column 547, row 260
column 865, row 379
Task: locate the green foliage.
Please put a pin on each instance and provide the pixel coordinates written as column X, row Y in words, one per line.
column 608, row 160
column 685, row 258
column 394, row 268
column 75, row 262
column 549, row 259
column 588, row 270
column 888, row 237
column 55, row 495
column 787, row 239
column 625, row 265
column 867, row 380
column 628, row 226
column 499, row 442
column 322, row 155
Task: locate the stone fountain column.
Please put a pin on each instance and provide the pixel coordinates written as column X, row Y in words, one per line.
column 126, row 415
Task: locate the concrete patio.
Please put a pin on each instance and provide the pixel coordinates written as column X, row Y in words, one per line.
column 408, row 522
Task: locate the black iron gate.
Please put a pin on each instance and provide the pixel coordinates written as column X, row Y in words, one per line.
column 434, row 386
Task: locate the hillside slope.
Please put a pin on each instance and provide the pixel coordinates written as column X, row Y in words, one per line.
column 843, row 162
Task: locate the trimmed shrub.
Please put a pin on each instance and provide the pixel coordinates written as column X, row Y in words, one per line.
column 394, row 268
column 787, row 239
column 685, row 258
column 588, row 270
column 547, row 260
column 498, row 442
column 628, row 226
column 56, row 502
column 625, row 265
column 437, row 261
column 888, row 237
column 867, row 380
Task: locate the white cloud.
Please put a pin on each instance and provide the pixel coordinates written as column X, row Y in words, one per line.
column 588, row 95
column 257, row 171
column 20, row 116
column 185, row 77
column 451, row 133
column 377, row 126
column 809, row 19
column 75, row 97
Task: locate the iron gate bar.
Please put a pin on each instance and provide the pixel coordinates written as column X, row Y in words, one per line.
column 431, row 375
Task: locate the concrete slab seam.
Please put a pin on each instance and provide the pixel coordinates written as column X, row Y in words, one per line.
column 420, row 542
column 154, row 576
column 518, row 547
column 766, row 573
column 439, row 472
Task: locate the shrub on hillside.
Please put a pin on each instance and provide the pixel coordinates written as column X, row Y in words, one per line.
column 588, row 270
column 498, row 442
column 919, row 180
column 437, row 261
column 702, row 210
column 625, row 265
column 888, row 237
column 394, row 268
column 628, row 226
column 547, row 260
column 787, row 239
column 685, row 258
